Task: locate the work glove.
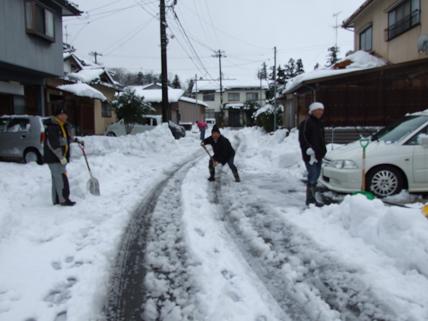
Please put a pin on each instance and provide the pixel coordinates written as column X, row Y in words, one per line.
column 310, row 152
column 63, row 161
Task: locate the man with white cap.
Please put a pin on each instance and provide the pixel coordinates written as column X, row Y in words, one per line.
column 312, row 144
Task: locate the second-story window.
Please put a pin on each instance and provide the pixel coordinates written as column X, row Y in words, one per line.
column 403, row 17
column 252, row 96
column 208, row 97
column 233, row 97
column 366, row 39
column 40, row 21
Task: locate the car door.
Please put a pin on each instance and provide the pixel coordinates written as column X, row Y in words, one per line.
column 3, row 141
column 420, row 159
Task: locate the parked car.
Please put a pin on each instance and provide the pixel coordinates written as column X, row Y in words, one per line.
column 397, row 159
column 150, row 122
column 210, row 121
column 21, row 138
column 119, row 128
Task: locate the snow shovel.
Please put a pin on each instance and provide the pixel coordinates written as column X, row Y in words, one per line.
column 207, row 151
column 364, row 142
column 93, row 184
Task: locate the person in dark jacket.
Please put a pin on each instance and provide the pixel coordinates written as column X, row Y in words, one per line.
column 312, row 144
column 223, row 153
column 57, row 155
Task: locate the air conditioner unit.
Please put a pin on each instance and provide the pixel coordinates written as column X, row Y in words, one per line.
column 423, row 44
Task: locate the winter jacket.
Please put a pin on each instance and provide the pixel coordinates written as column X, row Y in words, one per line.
column 57, row 141
column 202, row 125
column 311, row 135
column 223, row 150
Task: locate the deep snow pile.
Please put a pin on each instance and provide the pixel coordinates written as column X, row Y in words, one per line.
column 55, row 261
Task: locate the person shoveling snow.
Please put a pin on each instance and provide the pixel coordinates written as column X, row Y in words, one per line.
column 312, row 144
column 57, row 156
column 223, row 153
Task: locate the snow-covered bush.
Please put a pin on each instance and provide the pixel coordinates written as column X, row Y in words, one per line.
column 131, row 108
column 264, row 117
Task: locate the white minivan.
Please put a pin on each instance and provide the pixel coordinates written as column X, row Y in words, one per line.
column 397, row 159
column 119, row 128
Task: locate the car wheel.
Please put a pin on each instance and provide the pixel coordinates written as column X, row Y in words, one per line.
column 385, row 181
column 111, row 134
column 32, row 156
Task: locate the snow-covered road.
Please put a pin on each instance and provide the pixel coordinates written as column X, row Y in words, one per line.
column 163, row 243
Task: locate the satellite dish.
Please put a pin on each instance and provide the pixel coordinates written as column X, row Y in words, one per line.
column 423, row 44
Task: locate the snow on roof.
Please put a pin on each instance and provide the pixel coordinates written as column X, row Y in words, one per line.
column 83, row 90
column 193, row 101
column 87, row 75
column 234, row 106
column 359, row 60
column 155, row 95
column 205, row 85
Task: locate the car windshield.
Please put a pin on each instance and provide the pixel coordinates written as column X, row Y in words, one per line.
column 399, row 130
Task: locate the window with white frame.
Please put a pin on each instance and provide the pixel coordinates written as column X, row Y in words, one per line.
column 234, row 97
column 366, row 39
column 252, row 96
column 40, row 20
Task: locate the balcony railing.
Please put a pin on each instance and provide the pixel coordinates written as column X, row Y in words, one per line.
column 403, row 25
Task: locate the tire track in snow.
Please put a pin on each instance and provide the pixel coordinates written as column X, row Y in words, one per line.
column 305, row 280
column 150, row 281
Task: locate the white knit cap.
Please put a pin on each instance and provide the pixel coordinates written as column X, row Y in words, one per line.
column 314, row 106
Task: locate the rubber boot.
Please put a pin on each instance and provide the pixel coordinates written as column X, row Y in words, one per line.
column 212, row 172
column 311, row 191
column 237, row 178
column 310, row 196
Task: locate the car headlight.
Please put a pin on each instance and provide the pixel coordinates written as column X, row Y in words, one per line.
column 344, row 164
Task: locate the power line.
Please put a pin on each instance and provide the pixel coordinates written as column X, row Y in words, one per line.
column 181, row 27
column 189, row 56
column 125, row 40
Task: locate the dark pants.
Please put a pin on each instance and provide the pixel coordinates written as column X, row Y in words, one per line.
column 231, row 164
column 202, row 131
column 314, row 172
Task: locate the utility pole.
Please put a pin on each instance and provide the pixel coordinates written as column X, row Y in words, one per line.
column 336, row 27
column 66, row 34
column 196, row 91
column 275, row 89
column 95, row 54
column 166, row 112
column 220, row 54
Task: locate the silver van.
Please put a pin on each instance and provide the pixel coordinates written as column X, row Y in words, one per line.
column 21, row 138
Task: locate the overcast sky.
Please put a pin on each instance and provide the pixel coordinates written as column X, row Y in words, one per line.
column 126, row 32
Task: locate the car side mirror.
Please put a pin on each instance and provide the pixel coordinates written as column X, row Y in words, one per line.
column 423, row 140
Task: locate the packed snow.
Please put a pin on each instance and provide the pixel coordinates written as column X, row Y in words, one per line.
column 57, row 260
column 83, row 90
column 213, row 251
column 357, row 61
